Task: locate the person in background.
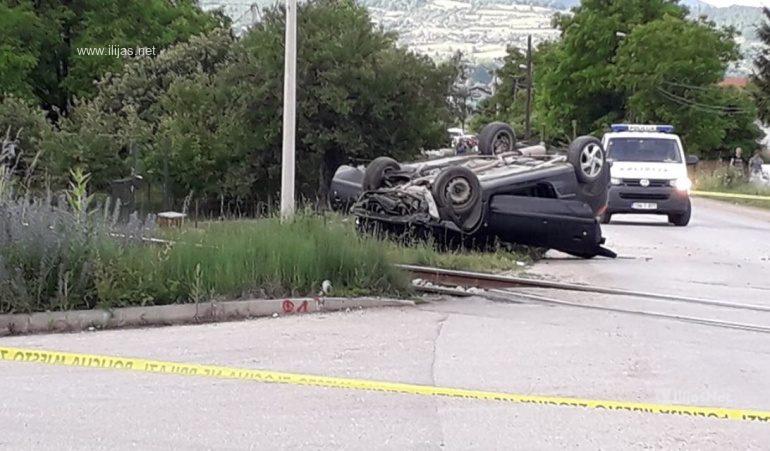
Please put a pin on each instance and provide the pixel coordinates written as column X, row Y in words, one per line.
column 755, row 167
column 737, row 161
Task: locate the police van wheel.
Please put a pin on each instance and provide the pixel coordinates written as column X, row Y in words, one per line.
column 681, row 219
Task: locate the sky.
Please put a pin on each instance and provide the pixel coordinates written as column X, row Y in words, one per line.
column 738, row 2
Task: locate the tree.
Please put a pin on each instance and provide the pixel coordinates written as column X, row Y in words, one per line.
column 761, row 77
column 507, row 103
column 643, row 61
column 20, row 49
column 50, row 49
column 461, row 95
column 359, row 94
column 23, row 129
column 677, row 84
column 206, row 115
column 576, row 80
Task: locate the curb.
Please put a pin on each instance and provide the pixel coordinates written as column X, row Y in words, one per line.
column 166, row 315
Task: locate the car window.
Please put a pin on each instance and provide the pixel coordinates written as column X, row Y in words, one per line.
column 644, row 149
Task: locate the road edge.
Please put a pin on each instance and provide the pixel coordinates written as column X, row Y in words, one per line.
column 175, row 314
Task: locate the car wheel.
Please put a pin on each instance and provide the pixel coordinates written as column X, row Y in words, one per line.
column 496, row 138
column 681, row 219
column 458, row 191
column 374, row 176
column 587, row 157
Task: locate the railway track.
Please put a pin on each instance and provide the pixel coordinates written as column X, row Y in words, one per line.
column 508, row 289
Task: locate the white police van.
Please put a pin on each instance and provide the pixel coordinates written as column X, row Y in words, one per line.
column 648, row 172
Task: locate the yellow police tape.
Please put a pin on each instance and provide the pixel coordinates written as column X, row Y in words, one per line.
column 729, row 195
column 221, row 372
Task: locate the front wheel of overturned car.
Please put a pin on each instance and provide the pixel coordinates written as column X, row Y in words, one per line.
column 496, row 138
column 588, row 158
column 457, row 190
column 375, row 173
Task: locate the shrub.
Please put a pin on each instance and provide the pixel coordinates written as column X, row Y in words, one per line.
column 50, row 247
column 722, row 178
column 63, row 253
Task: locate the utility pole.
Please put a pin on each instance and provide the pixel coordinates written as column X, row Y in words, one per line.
column 289, row 114
column 527, row 130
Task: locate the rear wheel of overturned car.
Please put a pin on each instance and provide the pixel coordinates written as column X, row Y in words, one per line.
column 457, row 191
column 375, row 173
column 496, row 138
column 587, row 156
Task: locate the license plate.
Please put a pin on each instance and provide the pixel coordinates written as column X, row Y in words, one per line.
column 644, row 206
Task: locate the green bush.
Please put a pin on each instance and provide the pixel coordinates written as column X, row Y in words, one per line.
column 262, row 258
column 63, row 254
column 50, row 247
column 728, row 177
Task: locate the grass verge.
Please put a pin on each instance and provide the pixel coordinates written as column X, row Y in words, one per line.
column 226, row 260
column 725, row 179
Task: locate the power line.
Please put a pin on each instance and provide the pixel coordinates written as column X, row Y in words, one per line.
column 717, row 109
column 684, row 85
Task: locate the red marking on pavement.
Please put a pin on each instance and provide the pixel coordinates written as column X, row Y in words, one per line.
column 288, row 307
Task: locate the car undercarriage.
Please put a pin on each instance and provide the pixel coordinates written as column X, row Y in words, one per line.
column 511, row 194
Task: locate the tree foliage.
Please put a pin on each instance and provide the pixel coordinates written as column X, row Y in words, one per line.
column 507, row 103
column 761, row 77
column 23, row 130
column 43, row 43
column 205, row 116
column 644, row 61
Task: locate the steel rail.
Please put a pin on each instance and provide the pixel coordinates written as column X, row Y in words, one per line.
column 688, row 319
column 484, row 280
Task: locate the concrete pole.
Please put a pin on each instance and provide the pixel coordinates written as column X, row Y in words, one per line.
column 289, row 111
column 528, row 126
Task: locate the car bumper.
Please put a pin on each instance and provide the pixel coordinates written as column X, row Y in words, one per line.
column 666, row 200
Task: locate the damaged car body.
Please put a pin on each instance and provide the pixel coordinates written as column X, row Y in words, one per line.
column 509, row 193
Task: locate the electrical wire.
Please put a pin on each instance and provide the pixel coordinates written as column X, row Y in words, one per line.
column 716, row 109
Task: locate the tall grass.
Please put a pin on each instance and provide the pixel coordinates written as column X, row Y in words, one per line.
column 61, row 254
column 267, row 257
column 727, row 179
column 50, row 247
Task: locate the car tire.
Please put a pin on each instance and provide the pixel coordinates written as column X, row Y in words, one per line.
column 495, row 138
column 588, row 158
column 457, row 190
column 374, row 176
column 681, row 219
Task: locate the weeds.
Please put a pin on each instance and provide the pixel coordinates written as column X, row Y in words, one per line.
column 63, row 253
column 732, row 180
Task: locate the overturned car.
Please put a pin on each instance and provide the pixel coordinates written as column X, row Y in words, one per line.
column 506, row 192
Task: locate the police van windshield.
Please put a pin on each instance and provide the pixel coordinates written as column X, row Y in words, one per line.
column 658, row 150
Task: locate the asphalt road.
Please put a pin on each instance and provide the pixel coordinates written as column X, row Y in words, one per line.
column 724, row 253
column 515, row 346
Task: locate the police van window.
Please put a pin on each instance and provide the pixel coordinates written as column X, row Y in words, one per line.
column 644, row 150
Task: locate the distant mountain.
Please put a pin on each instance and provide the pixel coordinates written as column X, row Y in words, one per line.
column 482, row 29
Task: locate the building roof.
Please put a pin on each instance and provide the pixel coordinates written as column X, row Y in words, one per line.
column 738, row 82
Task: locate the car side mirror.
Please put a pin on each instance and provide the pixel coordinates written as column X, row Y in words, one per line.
column 691, row 160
